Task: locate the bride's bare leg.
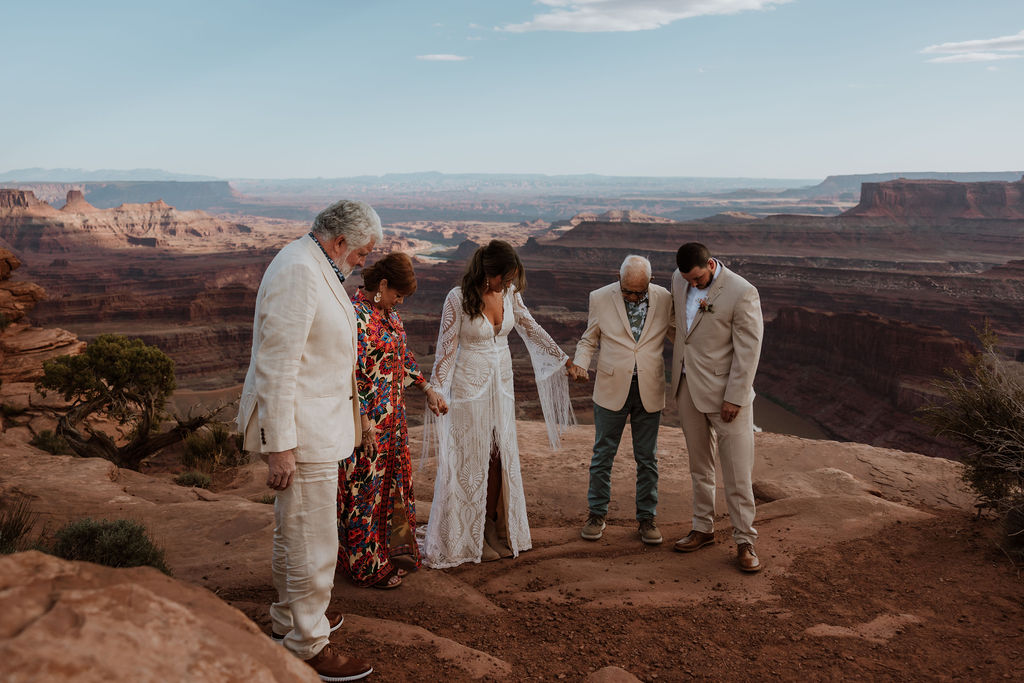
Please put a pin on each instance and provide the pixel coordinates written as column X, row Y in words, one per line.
column 491, row 538
column 493, row 482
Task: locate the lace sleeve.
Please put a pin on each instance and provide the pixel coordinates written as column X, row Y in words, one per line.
column 436, row 429
column 447, row 343
column 549, row 370
column 531, row 331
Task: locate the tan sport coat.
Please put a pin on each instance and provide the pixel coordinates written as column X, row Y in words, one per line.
column 721, row 350
column 299, row 392
column 609, row 334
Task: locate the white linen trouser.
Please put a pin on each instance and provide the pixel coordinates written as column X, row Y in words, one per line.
column 305, row 556
column 733, row 441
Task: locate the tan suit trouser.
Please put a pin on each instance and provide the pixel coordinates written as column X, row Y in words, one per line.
column 305, row 556
column 706, row 434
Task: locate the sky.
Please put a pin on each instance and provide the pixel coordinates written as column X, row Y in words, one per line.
column 720, row 88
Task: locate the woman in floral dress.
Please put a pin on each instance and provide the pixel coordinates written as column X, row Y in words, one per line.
column 376, row 506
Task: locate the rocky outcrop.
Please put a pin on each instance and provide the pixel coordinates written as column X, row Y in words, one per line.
column 59, row 618
column 940, row 201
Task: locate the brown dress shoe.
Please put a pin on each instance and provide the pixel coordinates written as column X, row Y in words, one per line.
column 331, row 665
column 747, row 558
column 695, row 540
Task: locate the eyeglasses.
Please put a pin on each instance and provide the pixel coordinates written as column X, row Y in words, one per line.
column 630, row 292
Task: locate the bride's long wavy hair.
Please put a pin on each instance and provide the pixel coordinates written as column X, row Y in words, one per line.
column 497, row 258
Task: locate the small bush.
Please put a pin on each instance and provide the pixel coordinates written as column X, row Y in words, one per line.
column 984, row 410
column 268, row 499
column 198, row 479
column 16, row 523
column 114, row 543
column 50, row 442
column 212, row 448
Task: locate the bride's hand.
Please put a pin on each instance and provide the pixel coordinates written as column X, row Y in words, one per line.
column 436, row 403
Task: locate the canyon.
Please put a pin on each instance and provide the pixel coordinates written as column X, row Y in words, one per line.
column 864, row 309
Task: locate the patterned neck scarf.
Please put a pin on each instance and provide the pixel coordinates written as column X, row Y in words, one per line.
column 341, row 278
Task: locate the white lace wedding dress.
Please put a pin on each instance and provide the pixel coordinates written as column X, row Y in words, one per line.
column 473, row 371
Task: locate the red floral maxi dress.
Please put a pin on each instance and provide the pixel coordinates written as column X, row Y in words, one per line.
column 376, row 507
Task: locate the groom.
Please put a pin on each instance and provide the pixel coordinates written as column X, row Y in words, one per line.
column 717, row 346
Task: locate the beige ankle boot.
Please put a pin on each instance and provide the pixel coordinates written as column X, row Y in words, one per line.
column 491, row 539
column 489, row 554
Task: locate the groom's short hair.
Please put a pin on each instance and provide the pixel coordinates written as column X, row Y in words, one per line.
column 692, row 255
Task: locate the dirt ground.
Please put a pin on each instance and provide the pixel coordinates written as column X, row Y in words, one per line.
column 878, row 569
column 926, row 600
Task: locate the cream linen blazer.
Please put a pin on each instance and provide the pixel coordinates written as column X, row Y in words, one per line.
column 299, row 392
column 720, row 352
column 609, row 335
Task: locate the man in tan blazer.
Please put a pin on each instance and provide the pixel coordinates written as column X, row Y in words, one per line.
column 627, row 326
column 299, row 411
column 717, row 347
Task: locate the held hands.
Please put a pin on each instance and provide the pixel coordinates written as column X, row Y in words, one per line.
column 436, row 403
column 729, row 411
column 280, row 469
column 579, row 374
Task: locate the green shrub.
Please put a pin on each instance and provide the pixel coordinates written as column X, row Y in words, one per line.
column 984, row 410
column 16, row 523
column 114, row 543
column 212, row 448
column 198, row 479
column 50, row 442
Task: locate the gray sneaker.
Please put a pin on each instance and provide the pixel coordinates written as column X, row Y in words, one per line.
column 649, row 532
column 594, row 527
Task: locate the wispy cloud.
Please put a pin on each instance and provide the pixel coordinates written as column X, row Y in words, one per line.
column 442, row 58
column 592, row 16
column 987, row 50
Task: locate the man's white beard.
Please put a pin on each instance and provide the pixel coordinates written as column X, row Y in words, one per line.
column 344, row 266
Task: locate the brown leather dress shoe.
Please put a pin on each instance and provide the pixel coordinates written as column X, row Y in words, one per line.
column 695, row 540
column 332, row 666
column 747, row 558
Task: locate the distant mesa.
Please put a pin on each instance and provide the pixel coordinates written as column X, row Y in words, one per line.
column 915, row 201
column 76, row 203
column 730, row 217
column 612, row 216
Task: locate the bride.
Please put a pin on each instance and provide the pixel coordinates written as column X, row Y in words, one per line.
column 479, row 510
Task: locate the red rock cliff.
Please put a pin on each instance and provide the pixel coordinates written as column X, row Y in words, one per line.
column 940, row 200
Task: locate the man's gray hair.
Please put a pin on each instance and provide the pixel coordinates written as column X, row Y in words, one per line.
column 356, row 220
column 635, row 266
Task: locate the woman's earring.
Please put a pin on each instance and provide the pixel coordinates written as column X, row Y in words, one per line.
column 376, row 298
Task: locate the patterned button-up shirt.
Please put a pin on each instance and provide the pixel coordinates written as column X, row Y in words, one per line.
column 637, row 314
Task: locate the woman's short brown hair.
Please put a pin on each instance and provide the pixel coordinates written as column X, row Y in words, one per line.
column 396, row 268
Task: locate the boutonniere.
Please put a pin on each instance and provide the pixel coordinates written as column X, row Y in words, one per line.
column 706, row 306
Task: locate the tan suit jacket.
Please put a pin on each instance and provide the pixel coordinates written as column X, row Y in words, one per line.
column 609, row 333
column 720, row 352
column 299, row 392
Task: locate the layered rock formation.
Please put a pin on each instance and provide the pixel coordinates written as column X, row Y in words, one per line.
column 23, row 350
column 940, row 201
column 26, row 224
column 859, row 374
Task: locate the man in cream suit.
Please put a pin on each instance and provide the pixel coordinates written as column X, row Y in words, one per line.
column 717, row 346
column 298, row 409
column 627, row 325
